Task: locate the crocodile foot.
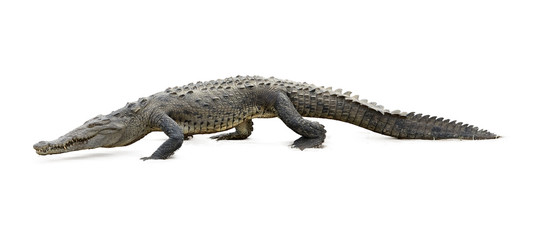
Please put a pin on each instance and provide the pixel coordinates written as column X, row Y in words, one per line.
column 229, row 136
column 152, row 158
column 303, row 143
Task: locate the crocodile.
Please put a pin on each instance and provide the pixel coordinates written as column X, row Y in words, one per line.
column 223, row 104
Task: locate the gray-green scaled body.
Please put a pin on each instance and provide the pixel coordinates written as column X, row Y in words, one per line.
column 215, row 106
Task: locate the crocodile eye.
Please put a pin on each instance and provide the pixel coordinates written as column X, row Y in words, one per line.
column 99, row 123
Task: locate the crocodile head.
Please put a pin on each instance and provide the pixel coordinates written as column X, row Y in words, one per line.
column 101, row 131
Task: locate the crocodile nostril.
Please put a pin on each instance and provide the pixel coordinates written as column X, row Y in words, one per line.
column 40, row 145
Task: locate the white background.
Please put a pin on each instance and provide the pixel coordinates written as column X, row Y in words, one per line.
column 63, row 62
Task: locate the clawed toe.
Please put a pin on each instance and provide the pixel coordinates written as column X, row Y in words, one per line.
column 230, row 136
column 303, row 143
column 220, row 137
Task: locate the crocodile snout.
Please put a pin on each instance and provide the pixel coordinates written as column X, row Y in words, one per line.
column 41, row 147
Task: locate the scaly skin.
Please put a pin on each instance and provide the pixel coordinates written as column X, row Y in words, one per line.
column 215, row 106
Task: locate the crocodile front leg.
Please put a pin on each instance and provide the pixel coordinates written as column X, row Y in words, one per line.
column 313, row 133
column 176, row 138
column 243, row 130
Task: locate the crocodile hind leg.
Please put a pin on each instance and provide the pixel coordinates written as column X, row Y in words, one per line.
column 243, row 130
column 313, row 133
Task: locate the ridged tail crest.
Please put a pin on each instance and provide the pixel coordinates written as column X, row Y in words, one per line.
column 320, row 102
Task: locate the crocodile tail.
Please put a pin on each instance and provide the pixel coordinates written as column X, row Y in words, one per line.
column 333, row 104
column 418, row 126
